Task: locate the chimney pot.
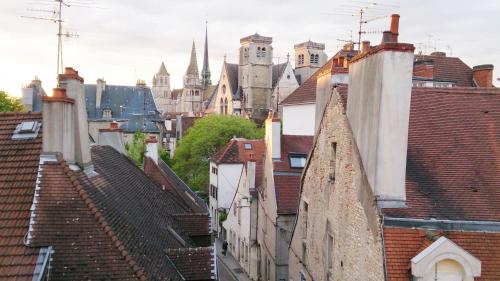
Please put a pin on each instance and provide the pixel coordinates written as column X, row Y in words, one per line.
column 395, row 27
column 365, row 47
column 483, row 75
column 387, row 37
column 59, row 93
column 114, row 125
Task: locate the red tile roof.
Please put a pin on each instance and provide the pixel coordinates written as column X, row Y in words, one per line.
column 450, row 69
column 18, row 172
column 306, row 92
column 194, row 263
column 292, row 144
column 287, row 193
column 235, row 152
column 64, row 219
column 402, row 244
column 453, row 160
column 287, row 179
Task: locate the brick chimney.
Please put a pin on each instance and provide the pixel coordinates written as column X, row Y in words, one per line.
column 394, row 27
column 112, row 136
column 378, row 108
column 365, row 46
column 273, row 135
column 58, row 124
column 73, row 83
column 423, row 69
column 483, row 75
column 152, row 148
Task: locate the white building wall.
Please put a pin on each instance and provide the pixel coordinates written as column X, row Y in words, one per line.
column 286, row 85
column 299, row 119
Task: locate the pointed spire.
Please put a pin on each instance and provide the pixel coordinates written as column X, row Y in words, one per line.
column 193, row 64
column 163, row 69
column 205, row 72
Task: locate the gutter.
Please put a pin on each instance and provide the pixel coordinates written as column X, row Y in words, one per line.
column 446, row 225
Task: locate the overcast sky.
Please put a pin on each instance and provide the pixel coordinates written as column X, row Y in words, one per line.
column 125, row 40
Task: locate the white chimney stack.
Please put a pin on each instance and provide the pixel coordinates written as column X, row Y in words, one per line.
column 73, row 83
column 273, row 135
column 378, row 108
column 58, row 125
column 152, row 148
column 251, row 174
column 112, row 136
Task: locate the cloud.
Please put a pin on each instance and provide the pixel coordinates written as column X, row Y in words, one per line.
column 126, row 40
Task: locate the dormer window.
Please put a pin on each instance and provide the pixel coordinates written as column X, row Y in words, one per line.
column 106, row 113
column 248, row 146
column 445, row 260
column 26, row 130
column 297, row 160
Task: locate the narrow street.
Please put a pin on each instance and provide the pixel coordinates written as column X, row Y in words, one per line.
column 224, row 272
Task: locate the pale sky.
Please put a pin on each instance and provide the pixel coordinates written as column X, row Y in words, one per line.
column 125, row 40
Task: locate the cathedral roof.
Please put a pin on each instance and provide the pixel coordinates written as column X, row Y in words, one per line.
column 163, row 69
column 193, row 64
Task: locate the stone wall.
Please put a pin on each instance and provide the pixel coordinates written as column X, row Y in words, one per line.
column 342, row 206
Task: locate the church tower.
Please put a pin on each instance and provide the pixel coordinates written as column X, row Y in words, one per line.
column 161, row 90
column 255, row 75
column 191, row 98
column 205, row 72
column 309, row 57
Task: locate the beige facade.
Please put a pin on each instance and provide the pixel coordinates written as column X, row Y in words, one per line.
column 337, row 234
column 309, row 57
column 161, row 90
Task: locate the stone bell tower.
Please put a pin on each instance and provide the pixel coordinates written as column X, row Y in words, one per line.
column 255, row 75
column 161, row 89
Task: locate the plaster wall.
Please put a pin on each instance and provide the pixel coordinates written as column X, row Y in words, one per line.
column 378, row 111
column 299, row 119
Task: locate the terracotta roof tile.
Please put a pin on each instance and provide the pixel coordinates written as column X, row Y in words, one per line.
column 450, row 69
column 18, row 167
column 235, row 151
column 402, row 244
column 453, row 154
column 193, row 263
column 287, row 193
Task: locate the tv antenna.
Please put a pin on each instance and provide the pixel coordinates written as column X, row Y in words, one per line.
column 56, row 17
column 360, row 10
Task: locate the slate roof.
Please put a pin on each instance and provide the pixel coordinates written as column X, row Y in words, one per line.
column 287, row 179
column 18, row 173
column 124, row 101
column 232, row 76
column 453, row 161
column 402, row 244
column 278, row 70
column 450, row 69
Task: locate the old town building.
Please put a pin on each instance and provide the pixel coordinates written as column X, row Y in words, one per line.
column 405, row 190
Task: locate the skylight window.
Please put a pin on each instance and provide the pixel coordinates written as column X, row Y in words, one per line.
column 248, row 146
column 26, row 130
column 297, row 160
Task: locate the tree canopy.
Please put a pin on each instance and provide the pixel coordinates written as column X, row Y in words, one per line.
column 136, row 148
column 208, row 135
column 8, row 103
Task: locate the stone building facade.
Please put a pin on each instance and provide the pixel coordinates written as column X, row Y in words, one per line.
column 161, row 90
column 309, row 57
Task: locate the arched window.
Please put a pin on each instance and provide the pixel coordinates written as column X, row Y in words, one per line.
column 316, row 58
column 258, row 52
column 221, row 106
column 264, row 52
column 161, row 80
column 225, row 106
column 311, row 59
column 224, row 89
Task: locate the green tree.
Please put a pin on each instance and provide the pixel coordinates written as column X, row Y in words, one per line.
column 137, row 148
column 9, row 103
column 208, row 135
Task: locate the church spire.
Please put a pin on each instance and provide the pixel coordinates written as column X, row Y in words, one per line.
column 163, row 69
column 193, row 64
column 205, row 72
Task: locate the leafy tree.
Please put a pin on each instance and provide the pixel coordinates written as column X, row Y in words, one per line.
column 137, row 148
column 208, row 135
column 9, row 103
column 164, row 155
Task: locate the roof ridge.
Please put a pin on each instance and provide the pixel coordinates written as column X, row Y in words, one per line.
column 102, row 221
column 226, row 149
